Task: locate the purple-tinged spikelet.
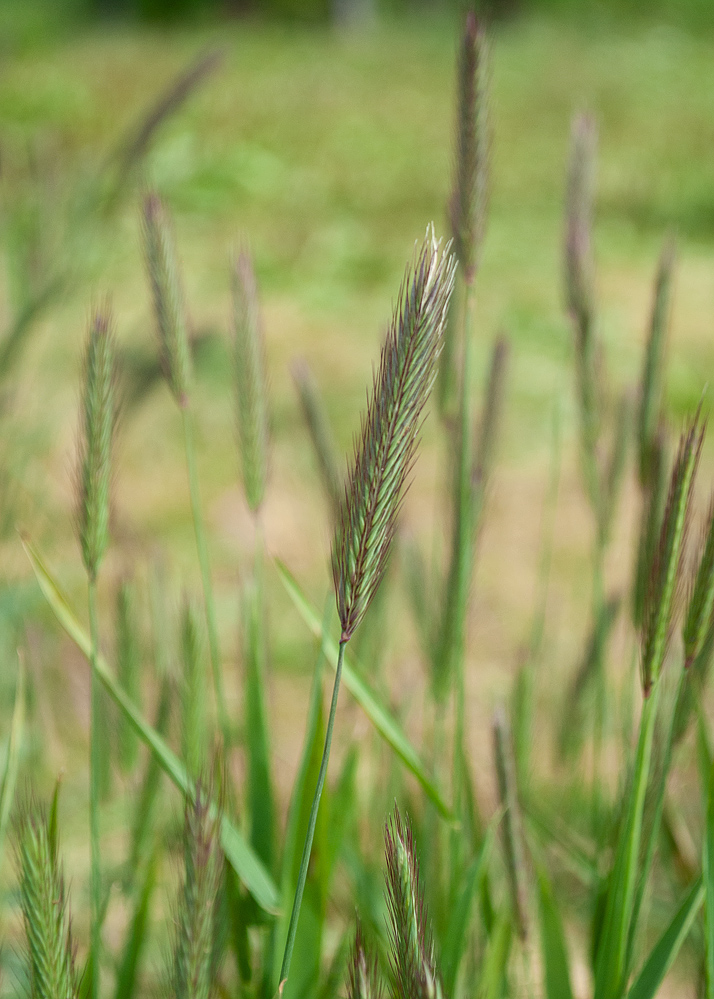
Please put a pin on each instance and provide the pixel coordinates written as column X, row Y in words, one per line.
column 363, row 974
column 666, row 572
column 468, row 201
column 654, row 366
column 390, row 429
column 412, row 949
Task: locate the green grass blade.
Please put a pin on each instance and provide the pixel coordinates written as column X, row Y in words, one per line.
column 611, row 969
column 496, row 960
column 708, row 874
column 368, row 701
column 556, row 967
column 455, row 938
column 12, row 761
column 260, row 785
column 246, row 864
column 137, row 933
column 667, row 947
column 300, row 802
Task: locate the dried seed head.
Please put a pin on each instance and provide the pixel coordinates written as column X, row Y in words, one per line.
column 667, row 563
column 95, row 441
column 193, row 688
column 48, row 932
column 511, row 824
column 390, row 429
column 192, row 976
column 363, row 975
column 250, row 380
column 169, row 308
column 654, row 366
column 492, row 410
column 412, row 950
column 700, row 608
column 468, row 201
column 320, row 432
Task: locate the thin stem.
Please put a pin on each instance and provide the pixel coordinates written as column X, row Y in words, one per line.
column 307, row 848
column 464, row 558
column 202, row 550
column 95, row 749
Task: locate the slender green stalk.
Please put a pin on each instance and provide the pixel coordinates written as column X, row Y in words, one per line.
column 307, row 848
column 202, row 550
column 95, row 749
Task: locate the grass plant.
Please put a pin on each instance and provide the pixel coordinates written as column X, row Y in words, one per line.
column 266, row 896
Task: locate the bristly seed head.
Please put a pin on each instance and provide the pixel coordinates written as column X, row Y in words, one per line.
column 363, row 980
column 578, row 235
column 385, row 451
column 192, row 974
column 413, row 963
column 48, row 931
column 250, row 380
column 701, row 600
column 654, row 366
column 95, row 441
column 169, row 307
column 666, row 570
column 470, row 193
column 320, row 432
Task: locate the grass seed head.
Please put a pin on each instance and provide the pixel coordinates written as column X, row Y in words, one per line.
column 578, row 227
column 414, row 971
column 323, row 441
column 700, row 608
column 492, row 412
column 192, row 971
column 654, row 360
column 95, row 441
column 250, row 380
column 363, row 980
column 666, row 572
column 468, row 201
column 169, row 308
column 387, row 445
column 50, row 951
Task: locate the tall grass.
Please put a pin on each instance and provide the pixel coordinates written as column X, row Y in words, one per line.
column 266, row 905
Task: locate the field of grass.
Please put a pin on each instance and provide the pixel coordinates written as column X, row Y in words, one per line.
column 330, row 155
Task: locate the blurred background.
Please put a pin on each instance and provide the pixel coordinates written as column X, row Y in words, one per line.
column 320, row 132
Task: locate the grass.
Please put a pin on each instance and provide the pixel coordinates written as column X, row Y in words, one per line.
column 329, row 154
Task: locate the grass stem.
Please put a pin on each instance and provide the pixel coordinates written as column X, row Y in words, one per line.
column 202, row 549
column 307, row 848
column 95, row 749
